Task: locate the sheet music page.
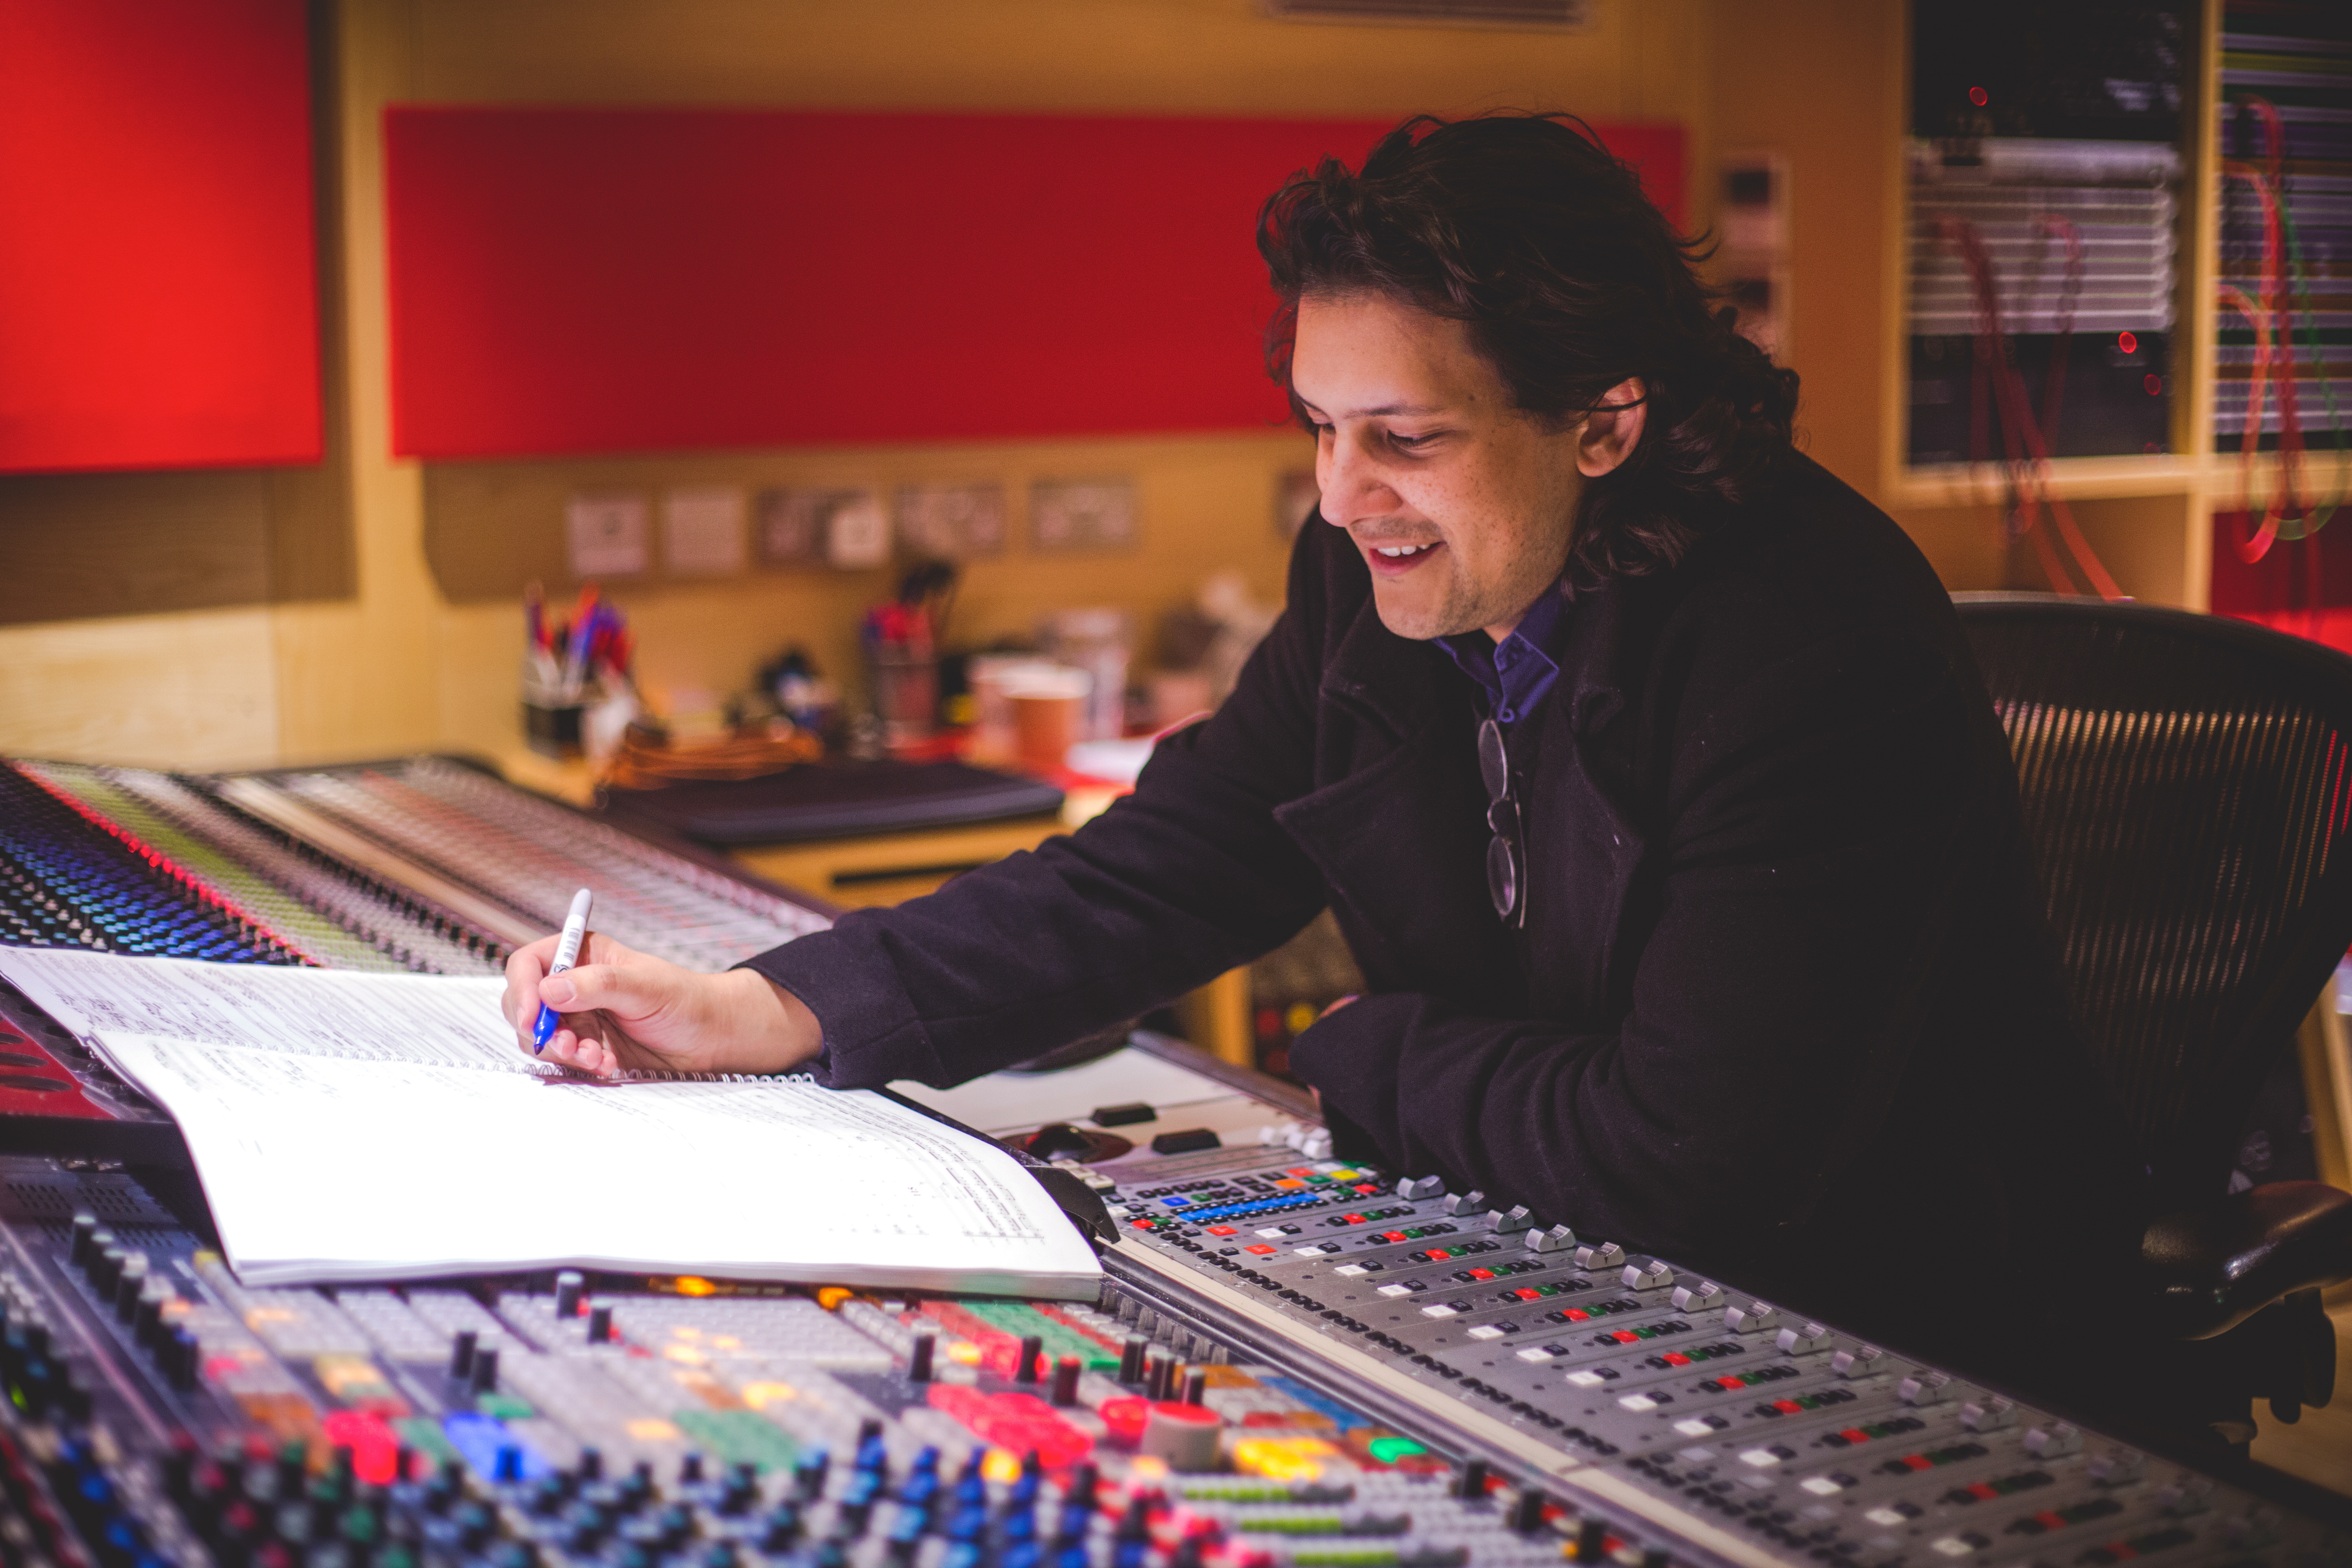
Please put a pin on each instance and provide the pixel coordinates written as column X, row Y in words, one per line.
column 345, row 1127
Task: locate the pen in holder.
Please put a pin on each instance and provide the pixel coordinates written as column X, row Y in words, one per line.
column 901, row 656
column 574, row 671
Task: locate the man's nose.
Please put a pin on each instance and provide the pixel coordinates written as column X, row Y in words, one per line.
column 1352, row 488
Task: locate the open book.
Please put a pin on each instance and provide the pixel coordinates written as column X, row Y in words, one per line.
column 351, row 1126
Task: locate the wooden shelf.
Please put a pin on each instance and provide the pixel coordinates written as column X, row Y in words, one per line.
column 2152, row 517
column 2213, row 474
column 2073, row 479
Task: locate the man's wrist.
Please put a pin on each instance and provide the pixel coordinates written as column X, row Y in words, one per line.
column 786, row 1034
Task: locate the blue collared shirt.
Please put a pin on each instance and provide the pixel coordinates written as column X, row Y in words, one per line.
column 1514, row 674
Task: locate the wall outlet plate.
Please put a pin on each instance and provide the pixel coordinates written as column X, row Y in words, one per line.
column 702, row 531
column 1082, row 514
column 796, row 528
column 951, row 523
column 792, row 523
column 608, row 534
column 857, row 533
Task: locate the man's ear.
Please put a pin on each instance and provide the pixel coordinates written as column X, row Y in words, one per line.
column 1610, row 433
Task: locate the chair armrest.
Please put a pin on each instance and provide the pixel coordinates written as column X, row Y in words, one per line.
column 2209, row 1268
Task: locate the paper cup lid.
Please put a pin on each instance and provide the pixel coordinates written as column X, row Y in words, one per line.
column 1048, row 680
column 1000, row 666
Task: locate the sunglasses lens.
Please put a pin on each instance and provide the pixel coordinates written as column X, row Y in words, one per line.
column 1493, row 765
column 1502, row 876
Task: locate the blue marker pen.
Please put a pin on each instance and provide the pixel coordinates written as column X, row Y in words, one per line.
column 567, row 953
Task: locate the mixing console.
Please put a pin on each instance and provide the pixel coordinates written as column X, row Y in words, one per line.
column 422, row 865
column 1295, row 1362
column 159, row 1412
column 69, row 879
column 1741, row 1428
column 1295, row 1359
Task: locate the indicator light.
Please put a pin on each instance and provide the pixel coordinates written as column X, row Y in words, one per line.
column 2127, row 342
column 1979, row 97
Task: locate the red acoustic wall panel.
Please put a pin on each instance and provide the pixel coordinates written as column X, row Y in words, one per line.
column 158, row 274
column 594, row 281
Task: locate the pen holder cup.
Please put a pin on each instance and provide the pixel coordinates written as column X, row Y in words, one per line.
column 905, row 694
column 553, row 714
column 553, row 730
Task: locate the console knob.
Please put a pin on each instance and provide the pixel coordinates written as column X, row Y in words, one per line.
column 2053, row 1441
column 1924, row 1387
column 1697, row 1296
column 1860, row 1362
column 1551, row 1238
column 1808, row 1340
column 1646, row 1274
column 1987, row 1414
column 1600, row 1255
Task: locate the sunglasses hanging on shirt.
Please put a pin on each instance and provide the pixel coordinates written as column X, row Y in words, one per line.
column 1503, row 880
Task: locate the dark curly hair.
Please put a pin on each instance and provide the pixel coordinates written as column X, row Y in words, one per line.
column 1525, row 228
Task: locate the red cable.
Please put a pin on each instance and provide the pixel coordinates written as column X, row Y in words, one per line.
column 2262, row 315
column 2022, row 436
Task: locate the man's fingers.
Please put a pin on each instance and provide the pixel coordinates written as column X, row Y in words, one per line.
column 625, row 991
column 524, row 969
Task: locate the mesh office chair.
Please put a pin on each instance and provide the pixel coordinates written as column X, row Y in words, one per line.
column 2188, row 787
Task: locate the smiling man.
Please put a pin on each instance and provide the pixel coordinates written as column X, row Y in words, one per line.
column 1641, row 761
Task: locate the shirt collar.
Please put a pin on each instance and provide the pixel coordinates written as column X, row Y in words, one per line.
column 1528, row 658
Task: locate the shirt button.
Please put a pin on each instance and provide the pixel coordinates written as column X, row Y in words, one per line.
column 1506, row 715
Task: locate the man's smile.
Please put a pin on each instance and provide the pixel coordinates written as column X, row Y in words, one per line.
column 1396, row 560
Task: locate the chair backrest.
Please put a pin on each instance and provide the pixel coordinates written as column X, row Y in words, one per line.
column 2188, row 787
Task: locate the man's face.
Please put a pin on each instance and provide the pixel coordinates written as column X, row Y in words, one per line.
column 1462, row 505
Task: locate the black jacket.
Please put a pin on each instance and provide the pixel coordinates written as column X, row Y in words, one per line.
column 1783, row 1007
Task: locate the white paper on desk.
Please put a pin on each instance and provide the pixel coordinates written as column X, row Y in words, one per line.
column 372, row 1127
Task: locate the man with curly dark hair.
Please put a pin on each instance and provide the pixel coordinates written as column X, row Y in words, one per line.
column 1641, row 761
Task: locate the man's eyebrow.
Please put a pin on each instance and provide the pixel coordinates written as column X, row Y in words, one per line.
column 1384, row 409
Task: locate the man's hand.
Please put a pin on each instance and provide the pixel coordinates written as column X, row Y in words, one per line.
column 623, row 1009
